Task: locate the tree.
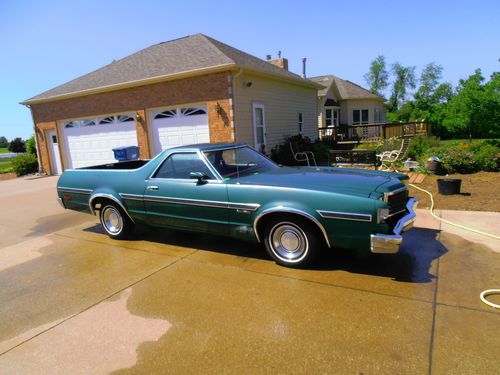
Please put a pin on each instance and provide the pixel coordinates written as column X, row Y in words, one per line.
column 17, row 145
column 377, row 78
column 31, row 145
column 404, row 79
column 4, row 142
column 475, row 109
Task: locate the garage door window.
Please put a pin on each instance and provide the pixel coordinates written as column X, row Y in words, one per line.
column 193, row 111
column 167, row 114
column 119, row 119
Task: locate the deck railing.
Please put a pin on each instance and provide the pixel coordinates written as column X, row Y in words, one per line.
column 373, row 132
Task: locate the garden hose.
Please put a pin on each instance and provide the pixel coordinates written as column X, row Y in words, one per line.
column 484, row 293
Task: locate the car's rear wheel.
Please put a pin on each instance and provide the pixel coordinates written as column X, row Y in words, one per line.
column 115, row 222
column 291, row 242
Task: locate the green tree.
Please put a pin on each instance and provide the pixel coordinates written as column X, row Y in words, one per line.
column 475, row 109
column 404, row 79
column 17, row 145
column 4, row 142
column 378, row 77
column 31, row 145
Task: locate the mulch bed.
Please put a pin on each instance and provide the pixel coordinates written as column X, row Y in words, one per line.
column 479, row 192
column 7, row 176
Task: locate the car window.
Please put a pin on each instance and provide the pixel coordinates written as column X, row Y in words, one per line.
column 239, row 162
column 181, row 165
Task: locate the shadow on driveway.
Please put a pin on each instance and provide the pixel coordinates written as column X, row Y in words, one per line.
column 412, row 264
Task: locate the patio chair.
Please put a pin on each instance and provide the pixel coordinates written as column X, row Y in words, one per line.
column 307, row 156
column 389, row 158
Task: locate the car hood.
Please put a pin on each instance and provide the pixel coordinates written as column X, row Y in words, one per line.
column 336, row 180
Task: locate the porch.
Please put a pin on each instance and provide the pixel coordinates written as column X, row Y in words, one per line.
column 350, row 134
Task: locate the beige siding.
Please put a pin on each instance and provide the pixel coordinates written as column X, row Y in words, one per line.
column 283, row 102
column 347, row 106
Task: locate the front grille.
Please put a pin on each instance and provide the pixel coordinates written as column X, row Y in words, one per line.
column 396, row 200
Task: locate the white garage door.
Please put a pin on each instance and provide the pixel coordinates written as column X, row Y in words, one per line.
column 91, row 141
column 179, row 126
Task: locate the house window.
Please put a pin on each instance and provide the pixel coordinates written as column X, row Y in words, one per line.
column 301, row 116
column 359, row 116
column 378, row 115
column 331, row 117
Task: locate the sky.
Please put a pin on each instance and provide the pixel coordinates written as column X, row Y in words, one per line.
column 46, row 43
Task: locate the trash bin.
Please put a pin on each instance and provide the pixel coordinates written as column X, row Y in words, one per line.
column 126, row 153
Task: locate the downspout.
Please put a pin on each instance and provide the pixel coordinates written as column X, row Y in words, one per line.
column 36, row 139
column 240, row 71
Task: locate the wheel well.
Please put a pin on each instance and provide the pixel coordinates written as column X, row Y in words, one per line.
column 264, row 220
column 98, row 202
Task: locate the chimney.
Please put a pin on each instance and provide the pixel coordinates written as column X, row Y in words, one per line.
column 281, row 62
column 304, row 59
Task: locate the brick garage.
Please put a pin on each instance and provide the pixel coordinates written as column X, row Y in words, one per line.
column 125, row 102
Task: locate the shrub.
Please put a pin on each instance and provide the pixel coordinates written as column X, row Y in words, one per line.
column 458, row 159
column 17, row 145
column 24, row 164
column 30, row 145
column 321, row 151
column 486, row 157
column 419, row 145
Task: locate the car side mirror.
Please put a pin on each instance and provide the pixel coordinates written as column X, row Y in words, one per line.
column 201, row 177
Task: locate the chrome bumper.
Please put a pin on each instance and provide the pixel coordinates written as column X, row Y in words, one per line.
column 389, row 243
column 60, row 201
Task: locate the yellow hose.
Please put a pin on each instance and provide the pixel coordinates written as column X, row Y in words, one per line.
column 449, row 222
column 484, row 293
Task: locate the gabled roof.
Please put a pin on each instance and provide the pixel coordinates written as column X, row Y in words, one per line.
column 346, row 89
column 194, row 54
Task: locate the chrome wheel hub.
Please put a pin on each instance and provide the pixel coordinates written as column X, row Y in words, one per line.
column 288, row 242
column 112, row 220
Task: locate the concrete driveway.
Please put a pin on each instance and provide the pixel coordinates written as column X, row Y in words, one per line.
column 74, row 301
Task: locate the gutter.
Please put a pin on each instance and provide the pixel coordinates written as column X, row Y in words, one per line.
column 36, row 139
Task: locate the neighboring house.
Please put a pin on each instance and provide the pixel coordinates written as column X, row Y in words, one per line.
column 190, row 90
column 342, row 102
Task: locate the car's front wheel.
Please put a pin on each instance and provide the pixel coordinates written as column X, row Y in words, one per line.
column 115, row 222
column 291, row 242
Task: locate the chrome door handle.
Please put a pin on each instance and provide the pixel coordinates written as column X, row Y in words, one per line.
column 153, row 187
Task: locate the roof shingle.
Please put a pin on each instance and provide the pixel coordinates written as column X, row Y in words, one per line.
column 346, row 89
column 190, row 53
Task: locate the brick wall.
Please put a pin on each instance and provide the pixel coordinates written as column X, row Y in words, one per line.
column 44, row 143
column 211, row 89
column 187, row 90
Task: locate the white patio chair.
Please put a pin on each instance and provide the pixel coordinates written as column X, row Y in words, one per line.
column 389, row 158
column 307, row 156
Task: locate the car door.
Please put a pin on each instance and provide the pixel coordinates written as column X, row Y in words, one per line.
column 176, row 199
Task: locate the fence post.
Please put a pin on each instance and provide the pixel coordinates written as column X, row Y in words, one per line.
column 383, row 131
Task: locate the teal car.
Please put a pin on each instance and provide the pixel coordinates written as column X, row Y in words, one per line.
column 232, row 190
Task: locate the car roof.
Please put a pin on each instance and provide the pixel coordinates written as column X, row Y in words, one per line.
column 207, row 147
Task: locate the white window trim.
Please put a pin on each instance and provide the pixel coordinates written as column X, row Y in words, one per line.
column 254, row 120
column 334, row 110
column 360, row 116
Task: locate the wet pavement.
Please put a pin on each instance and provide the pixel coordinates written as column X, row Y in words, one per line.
column 74, row 301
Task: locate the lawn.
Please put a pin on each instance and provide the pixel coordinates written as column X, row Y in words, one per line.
column 4, row 150
column 6, row 165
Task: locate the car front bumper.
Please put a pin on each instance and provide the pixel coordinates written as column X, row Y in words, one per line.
column 390, row 243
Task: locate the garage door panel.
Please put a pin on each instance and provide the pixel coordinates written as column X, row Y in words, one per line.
column 180, row 129
column 92, row 145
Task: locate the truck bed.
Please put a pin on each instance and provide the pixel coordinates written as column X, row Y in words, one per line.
column 132, row 164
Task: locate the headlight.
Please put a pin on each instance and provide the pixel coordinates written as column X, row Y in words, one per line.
column 382, row 214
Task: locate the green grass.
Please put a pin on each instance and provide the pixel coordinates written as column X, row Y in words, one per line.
column 6, row 165
column 4, row 150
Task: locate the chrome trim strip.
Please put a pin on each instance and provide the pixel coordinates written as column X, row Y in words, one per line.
column 244, row 206
column 292, row 211
column 191, row 202
column 111, row 197
column 390, row 243
column 187, row 202
column 387, row 194
column 74, row 190
column 345, row 216
column 131, row 197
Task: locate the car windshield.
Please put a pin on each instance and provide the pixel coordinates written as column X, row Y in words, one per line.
column 239, row 162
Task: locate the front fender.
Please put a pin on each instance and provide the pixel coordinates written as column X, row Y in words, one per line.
column 291, row 208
